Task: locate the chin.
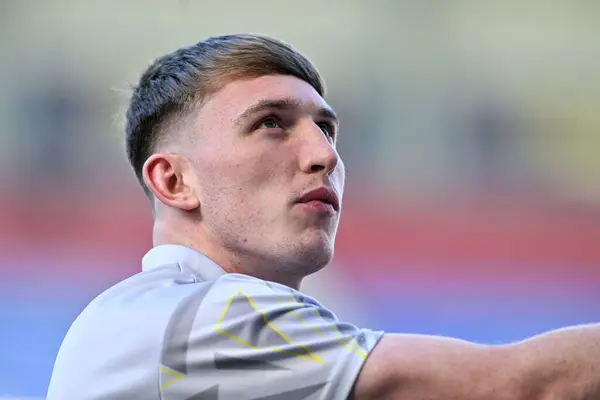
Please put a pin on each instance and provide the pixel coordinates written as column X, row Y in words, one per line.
column 312, row 257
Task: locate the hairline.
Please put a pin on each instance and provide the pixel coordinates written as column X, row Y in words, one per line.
column 170, row 126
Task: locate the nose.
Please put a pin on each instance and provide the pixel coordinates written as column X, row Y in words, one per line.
column 318, row 153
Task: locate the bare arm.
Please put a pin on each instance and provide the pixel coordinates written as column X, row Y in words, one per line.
column 560, row 365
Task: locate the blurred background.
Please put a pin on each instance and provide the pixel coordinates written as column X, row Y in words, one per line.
column 470, row 130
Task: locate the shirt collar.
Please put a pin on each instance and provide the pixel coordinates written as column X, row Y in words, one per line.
column 187, row 258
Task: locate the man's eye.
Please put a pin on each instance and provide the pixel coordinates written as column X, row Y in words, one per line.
column 269, row 123
column 327, row 129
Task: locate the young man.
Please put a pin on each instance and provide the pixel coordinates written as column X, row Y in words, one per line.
column 235, row 147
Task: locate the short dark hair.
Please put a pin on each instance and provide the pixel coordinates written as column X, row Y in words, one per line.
column 177, row 82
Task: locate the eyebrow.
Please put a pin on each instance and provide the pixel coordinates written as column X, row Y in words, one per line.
column 287, row 103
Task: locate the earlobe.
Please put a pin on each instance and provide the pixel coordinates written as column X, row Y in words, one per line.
column 164, row 174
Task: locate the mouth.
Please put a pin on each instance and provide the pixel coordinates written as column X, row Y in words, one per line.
column 321, row 198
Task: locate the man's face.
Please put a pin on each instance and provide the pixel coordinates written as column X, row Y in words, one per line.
column 261, row 145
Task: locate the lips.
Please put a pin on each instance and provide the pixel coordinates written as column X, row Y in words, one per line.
column 323, row 195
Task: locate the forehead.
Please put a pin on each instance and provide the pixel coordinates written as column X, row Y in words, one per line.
column 237, row 96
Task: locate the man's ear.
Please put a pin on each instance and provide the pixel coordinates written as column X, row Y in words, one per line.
column 165, row 175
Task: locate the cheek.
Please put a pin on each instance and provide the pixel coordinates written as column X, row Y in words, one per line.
column 251, row 178
column 268, row 166
column 239, row 180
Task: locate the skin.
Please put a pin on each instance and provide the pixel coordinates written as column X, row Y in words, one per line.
column 227, row 182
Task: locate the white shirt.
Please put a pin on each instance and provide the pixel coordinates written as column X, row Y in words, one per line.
column 184, row 329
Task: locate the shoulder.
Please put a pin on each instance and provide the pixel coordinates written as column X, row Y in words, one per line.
column 125, row 322
column 165, row 285
column 248, row 337
column 140, row 307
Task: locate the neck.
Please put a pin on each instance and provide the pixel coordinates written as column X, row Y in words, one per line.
column 231, row 262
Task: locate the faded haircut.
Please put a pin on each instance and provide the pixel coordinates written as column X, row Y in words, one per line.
column 177, row 83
